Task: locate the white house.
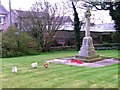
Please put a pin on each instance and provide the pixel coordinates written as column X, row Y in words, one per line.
column 4, row 17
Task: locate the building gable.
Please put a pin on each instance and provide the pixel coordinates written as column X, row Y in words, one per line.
column 3, row 10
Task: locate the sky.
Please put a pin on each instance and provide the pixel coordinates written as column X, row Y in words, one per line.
column 18, row 4
column 22, row 4
column 26, row 4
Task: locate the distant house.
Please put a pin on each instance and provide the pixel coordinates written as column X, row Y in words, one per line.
column 4, row 18
column 67, row 23
column 19, row 17
column 100, row 33
column 104, row 27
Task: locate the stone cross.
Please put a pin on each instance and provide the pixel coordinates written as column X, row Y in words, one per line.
column 87, row 48
column 87, row 15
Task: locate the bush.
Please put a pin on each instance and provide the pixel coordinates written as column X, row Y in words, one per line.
column 106, row 46
column 63, row 48
column 16, row 43
column 115, row 37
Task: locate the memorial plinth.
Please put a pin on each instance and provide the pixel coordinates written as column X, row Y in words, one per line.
column 87, row 52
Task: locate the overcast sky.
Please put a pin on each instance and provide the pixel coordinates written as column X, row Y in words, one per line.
column 18, row 4
column 26, row 4
column 22, row 4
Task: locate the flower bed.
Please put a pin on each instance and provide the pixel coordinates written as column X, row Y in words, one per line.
column 75, row 62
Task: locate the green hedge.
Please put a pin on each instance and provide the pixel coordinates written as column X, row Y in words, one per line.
column 16, row 43
column 107, row 46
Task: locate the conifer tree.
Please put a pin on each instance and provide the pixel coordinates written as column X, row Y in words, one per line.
column 77, row 28
column 115, row 14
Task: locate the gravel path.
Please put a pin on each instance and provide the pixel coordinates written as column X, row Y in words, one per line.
column 67, row 61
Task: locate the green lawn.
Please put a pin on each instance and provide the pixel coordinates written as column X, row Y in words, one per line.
column 57, row 75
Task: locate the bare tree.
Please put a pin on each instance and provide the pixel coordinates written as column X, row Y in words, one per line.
column 42, row 21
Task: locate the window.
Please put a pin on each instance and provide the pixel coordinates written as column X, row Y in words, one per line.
column 4, row 19
column 0, row 20
column 1, row 30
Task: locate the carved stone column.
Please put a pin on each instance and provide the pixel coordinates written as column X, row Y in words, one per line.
column 87, row 48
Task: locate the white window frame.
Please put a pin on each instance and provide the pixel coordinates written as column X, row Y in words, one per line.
column 1, row 20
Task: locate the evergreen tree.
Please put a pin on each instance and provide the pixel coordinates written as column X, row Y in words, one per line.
column 115, row 14
column 77, row 27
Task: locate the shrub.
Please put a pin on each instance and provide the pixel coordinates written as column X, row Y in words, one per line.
column 115, row 37
column 63, row 48
column 106, row 46
column 16, row 43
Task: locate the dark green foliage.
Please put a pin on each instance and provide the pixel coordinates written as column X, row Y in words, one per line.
column 76, row 28
column 115, row 13
column 107, row 46
column 44, row 38
column 38, row 34
column 17, row 45
column 115, row 37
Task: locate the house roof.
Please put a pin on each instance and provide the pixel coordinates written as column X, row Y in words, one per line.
column 21, row 13
column 105, row 27
column 57, row 19
column 3, row 10
column 64, row 19
column 27, row 14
